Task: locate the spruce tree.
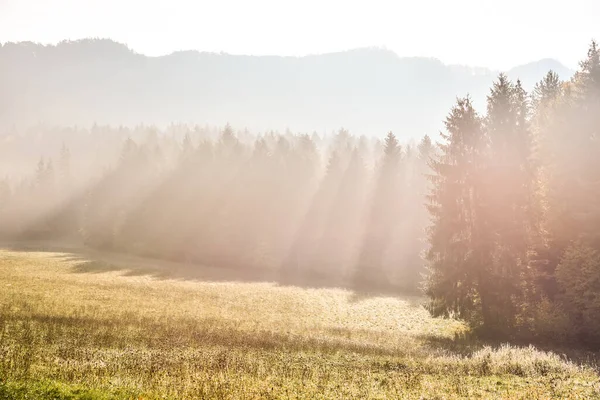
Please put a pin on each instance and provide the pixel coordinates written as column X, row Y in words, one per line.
column 339, row 247
column 65, row 166
column 380, row 224
column 187, row 149
column 40, row 173
column 304, row 258
column 575, row 188
column 510, row 206
column 416, row 216
column 458, row 255
column 546, row 90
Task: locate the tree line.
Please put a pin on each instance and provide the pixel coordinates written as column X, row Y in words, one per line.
column 337, row 211
column 514, row 200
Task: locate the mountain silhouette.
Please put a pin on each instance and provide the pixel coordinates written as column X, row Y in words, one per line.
column 368, row 91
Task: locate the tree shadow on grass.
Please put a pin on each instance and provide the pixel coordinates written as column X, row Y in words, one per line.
column 411, row 298
column 92, row 262
column 86, row 260
column 94, row 267
column 100, row 267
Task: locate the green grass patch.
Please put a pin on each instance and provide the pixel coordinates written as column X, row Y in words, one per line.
column 59, row 391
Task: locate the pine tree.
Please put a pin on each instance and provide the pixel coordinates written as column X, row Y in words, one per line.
column 128, row 152
column 425, row 149
column 65, row 166
column 586, row 213
column 459, row 253
column 547, row 90
column 339, row 247
column 574, row 166
column 509, row 202
column 416, row 216
column 303, row 258
column 392, row 153
column 545, row 123
column 40, row 173
column 228, row 142
column 548, row 149
column 249, row 236
column 380, row 226
column 5, row 206
column 49, row 175
column 187, row 148
column 574, row 213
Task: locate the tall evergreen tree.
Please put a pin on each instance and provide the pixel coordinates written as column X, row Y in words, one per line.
column 40, row 173
column 65, row 165
column 187, row 148
column 510, row 204
column 416, row 217
column 547, row 90
column 459, row 251
column 381, row 223
column 575, row 188
column 340, row 240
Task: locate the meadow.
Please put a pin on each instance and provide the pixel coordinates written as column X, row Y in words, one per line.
column 78, row 324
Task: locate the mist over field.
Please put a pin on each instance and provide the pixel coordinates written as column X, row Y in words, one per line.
column 357, row 224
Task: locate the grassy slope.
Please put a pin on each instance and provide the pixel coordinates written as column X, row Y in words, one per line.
column 72, row 327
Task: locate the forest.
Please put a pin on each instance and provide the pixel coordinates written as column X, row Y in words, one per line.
column 495, row 220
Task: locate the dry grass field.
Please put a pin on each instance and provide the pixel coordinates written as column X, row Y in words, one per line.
column 86, row 326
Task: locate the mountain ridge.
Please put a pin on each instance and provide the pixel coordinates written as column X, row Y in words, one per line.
column 367, row 90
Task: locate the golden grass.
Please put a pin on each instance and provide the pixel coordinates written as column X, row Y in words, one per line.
column 96, row 326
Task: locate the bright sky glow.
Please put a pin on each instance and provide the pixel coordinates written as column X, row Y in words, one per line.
column 489, row 33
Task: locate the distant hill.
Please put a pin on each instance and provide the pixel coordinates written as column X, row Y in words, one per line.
column 369, row 91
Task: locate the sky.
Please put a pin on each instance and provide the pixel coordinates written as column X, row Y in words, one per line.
column 497, row 34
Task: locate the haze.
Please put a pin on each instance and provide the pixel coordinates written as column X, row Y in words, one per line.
column 470, row 32
column 299, row 200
